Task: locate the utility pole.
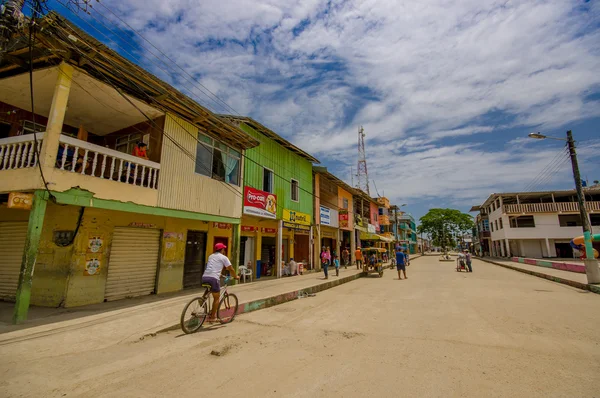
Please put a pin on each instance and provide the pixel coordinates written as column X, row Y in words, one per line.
column 591, row 264
column 362, row 173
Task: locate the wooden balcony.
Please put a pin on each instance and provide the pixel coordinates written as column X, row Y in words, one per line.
column 558, row 207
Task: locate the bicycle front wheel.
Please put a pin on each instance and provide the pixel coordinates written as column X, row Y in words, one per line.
column 194, row 314
column 227, row 308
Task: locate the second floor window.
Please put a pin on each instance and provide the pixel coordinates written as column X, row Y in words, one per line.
column 500, row 223
column 295, row 190
column 267, row 180
column 216, row 160
column 345, row 203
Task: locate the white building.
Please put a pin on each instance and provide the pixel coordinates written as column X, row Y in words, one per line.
column 538, row 224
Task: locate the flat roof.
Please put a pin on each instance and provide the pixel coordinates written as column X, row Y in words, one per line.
column 586, row 190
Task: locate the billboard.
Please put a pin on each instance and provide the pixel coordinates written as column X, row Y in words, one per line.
column 260, row 203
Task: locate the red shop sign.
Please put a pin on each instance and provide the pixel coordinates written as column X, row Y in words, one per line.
column 269, row 230
column 260, row 203
column 222, row 225
column 247, row 228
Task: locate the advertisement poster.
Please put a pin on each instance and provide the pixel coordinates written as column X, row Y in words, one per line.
column 95, row 243
column 344, row 219
column 92, row 264
column 329, row 217
column 260, row 203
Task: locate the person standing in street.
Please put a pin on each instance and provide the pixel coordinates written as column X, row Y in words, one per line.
column 345, row 257
column 336, row 264
column 359, row 258
column 326, row 261
column 407, row 258
column 468, row 259
column 401, row 264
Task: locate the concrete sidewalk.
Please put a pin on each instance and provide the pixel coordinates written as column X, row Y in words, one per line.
column 104, row 324
column 565, row 277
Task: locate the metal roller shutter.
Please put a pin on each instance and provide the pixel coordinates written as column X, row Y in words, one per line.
column 133, row 262
column 12, row 245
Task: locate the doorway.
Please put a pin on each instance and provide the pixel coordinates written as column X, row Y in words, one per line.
column 563, row 250
column 195, row 253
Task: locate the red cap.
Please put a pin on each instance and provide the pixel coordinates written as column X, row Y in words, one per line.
column 220, row 246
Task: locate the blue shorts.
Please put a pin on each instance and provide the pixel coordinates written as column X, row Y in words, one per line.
column 215, row 286
column 400, row 267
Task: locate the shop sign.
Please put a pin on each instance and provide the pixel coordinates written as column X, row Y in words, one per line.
column 260, row 203
column 221, row 225
column 344, row 217
column 327, row 234
column 248, row 228
column 371, row 229
column 18, row 200
column 296, row 217
column 329, row 217
column 141, row 225
column 297, row 227
column 268, row 230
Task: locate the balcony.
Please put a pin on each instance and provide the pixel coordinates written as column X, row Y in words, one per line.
column 384, row 220
column 108, row 173
column 558, row 207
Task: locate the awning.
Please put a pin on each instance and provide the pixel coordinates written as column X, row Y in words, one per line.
column 369, row 236
column 386, row 239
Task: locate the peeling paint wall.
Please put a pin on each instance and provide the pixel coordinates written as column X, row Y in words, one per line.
column 60, row 277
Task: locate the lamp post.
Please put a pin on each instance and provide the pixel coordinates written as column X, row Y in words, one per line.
column 591, row 264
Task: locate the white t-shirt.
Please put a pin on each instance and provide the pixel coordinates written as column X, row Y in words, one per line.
column 215, row 265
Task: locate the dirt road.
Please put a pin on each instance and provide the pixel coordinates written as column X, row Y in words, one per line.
column 440, row 333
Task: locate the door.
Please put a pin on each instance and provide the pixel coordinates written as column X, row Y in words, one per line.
column 248, row 253
column 133, row 262
column 195, row 253
column 12, row 245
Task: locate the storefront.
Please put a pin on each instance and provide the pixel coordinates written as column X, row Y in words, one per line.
column 329, row 228
column 259, row 229
column 297, row 227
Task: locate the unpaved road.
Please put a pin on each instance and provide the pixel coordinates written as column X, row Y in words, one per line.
column 493, row 333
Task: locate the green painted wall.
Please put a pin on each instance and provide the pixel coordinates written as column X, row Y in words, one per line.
column 285, row 165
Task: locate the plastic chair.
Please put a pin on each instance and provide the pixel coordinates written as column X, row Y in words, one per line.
column 245, row 272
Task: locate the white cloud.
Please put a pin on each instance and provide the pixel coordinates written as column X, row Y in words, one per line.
column 420, row 72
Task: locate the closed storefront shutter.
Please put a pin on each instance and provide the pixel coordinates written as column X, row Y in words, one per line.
column 12, row 245
column 133, row 261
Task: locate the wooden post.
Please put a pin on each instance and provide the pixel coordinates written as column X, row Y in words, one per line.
column 32, row 241
column 235, row 247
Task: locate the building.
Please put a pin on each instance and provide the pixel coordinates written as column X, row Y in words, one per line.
column 408, row 232
column 537, row 224
column 482, row 236
column 386, row 230
column 334, row 214
column 278, row 201
column 102, row 224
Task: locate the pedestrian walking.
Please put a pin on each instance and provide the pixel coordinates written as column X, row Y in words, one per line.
column 324, row 261
column 336, row 264
column 345, row 257
column 359, row 258
column 407, row 258
column 468, row 258
column 401, row 264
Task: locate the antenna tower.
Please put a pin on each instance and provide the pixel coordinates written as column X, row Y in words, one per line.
column 362, row 173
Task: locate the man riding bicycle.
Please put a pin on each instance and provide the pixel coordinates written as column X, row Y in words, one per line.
column 212, row 274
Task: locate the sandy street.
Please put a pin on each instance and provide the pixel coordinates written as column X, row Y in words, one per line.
column 493, row 333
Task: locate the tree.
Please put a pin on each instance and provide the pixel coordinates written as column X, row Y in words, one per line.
column 443, row 224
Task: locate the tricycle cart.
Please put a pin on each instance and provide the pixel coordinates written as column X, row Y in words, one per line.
column 373, row 260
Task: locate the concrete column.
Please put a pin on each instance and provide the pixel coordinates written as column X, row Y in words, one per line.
column 279, row 249
column 352, row 246
column 32, row 241
column 235, row 247
column 258, row 254
column 507, row 247
column 291, row 247
column 547, row 247
column 521, row 248
column 58, row 109
column 310, row 248
column 338, row 246
column 317, row 248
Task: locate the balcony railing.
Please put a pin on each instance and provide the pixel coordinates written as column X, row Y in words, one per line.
column 558, row 207
column 19, row 152
column 81, row 157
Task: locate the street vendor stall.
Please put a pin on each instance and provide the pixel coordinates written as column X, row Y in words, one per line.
column 373, row 260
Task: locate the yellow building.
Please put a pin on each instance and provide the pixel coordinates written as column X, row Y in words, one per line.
column 103, row 224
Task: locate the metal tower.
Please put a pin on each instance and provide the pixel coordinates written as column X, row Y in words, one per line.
column 362, row 173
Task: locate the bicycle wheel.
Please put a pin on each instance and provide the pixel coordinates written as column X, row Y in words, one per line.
column 227, row 308
column 194, row 314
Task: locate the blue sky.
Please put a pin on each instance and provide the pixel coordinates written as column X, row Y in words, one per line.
column 446, row 90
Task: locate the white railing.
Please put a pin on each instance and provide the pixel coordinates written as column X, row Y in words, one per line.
column 19, row 152
column 81, row 157
column 558, row 207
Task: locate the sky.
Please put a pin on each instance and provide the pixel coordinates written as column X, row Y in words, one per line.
column 446, row 90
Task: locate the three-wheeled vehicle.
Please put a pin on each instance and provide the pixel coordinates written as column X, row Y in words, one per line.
column 373, row 260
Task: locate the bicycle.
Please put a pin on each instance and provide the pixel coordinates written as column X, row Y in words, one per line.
column 200, row 308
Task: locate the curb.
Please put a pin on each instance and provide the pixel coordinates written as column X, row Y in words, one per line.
column 558, row 279
column 559, row 265
column 281, row 298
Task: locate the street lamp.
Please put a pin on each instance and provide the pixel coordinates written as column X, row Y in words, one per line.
column 591, row 265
